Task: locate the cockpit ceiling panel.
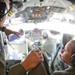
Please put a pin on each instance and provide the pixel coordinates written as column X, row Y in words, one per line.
column 59, row 3
column 20, row 5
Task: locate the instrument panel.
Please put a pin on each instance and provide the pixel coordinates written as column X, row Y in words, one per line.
column 39, row 14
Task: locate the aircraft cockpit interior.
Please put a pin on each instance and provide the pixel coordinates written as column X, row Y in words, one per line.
column 37, row 20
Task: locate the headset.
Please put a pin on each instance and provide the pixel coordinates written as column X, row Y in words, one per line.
column 3, row 9
column 73, row 55
column 73, row 60
column 44, row 35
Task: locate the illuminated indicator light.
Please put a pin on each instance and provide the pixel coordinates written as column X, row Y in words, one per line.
column 33, row 15
column 39, row 15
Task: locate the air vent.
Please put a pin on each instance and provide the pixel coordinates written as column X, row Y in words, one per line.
column 25, row 0
column 41, row 0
